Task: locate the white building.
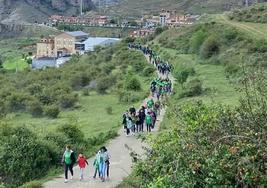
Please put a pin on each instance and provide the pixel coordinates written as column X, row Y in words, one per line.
column 89, row 44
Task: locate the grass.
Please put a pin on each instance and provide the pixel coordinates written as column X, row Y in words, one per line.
column 255, row 30
column 212, row 76
column 91, row 116
column 13, row 63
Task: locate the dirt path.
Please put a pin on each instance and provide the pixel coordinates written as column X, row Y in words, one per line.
column 120, row 162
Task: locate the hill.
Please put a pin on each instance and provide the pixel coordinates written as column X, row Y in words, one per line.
column 139, row 7
column 257, row 14
column 38, row 10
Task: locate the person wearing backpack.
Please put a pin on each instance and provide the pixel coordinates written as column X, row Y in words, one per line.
column 68, row 160
column 96, row 165
column 148, row 122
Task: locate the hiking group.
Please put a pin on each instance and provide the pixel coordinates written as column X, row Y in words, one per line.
column 101, row 163
column 134, row 120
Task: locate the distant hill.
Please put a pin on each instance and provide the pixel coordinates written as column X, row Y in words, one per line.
column 38, row 10
column 257, row 14
column 139, row 7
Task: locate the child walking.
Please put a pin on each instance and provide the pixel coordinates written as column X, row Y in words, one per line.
column 82, row 161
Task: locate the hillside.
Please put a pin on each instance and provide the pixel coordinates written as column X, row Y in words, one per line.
column 257, row 14
column 215, row 132
column 38, row 10
column 139, row 7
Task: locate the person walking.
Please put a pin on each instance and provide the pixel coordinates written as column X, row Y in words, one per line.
column 68, row 160
column 106, row 159
column 96, row 164
column 148, row 122
column 82, row 162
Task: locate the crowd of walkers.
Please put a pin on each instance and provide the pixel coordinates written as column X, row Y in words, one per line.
column 100, row 164
column 134, row 120
column 162, row 66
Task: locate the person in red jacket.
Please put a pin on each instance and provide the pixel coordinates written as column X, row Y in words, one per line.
column 82, row 162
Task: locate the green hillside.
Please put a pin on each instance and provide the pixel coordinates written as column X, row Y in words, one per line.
column 215, row 130
column 257, row 13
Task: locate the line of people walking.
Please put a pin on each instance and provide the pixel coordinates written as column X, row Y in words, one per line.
column 101, row 164
column 135, row 120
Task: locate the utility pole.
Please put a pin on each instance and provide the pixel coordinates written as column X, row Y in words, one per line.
column 99, row 6
column 81, row 7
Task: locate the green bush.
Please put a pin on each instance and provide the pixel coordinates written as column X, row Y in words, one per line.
column 72, row 132
column 104, row 83
column 210, row 47
column 52, row 111
column 132, row 83
column 35, row 108
column 23, row 156
column 68, row 100
column 193, row 88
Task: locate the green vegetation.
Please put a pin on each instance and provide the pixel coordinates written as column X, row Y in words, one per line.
column 45, row 110
column 257, row 14
column 213, row 134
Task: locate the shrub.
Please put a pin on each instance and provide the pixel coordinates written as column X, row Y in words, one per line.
column 68, row 100
column 104, row 83
column 86, row 92
column 210, row 47
column 72, row 132
column 132, row 83
column 23, row 156
column 193, row 88
column 35, row 108
column 52, row 111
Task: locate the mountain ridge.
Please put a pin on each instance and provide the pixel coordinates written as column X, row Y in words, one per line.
column 38, row 10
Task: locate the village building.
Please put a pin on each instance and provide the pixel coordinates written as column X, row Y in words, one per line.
column 54, row 51
column 142, row 33
column 45, row 47
column 65, row 43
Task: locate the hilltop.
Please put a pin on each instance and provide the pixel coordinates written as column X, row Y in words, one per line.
column 38, row 10
column 139, row 7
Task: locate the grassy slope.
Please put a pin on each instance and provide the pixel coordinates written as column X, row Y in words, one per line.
column 256, row 30
column 91, row 116
column 212, row 76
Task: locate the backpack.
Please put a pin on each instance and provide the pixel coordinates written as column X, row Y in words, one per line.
column 148, row 120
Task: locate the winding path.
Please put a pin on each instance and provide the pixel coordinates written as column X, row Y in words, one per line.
column 120, row 163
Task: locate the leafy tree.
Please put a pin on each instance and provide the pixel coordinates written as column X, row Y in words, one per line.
column 181, row 77
column 23, row 156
